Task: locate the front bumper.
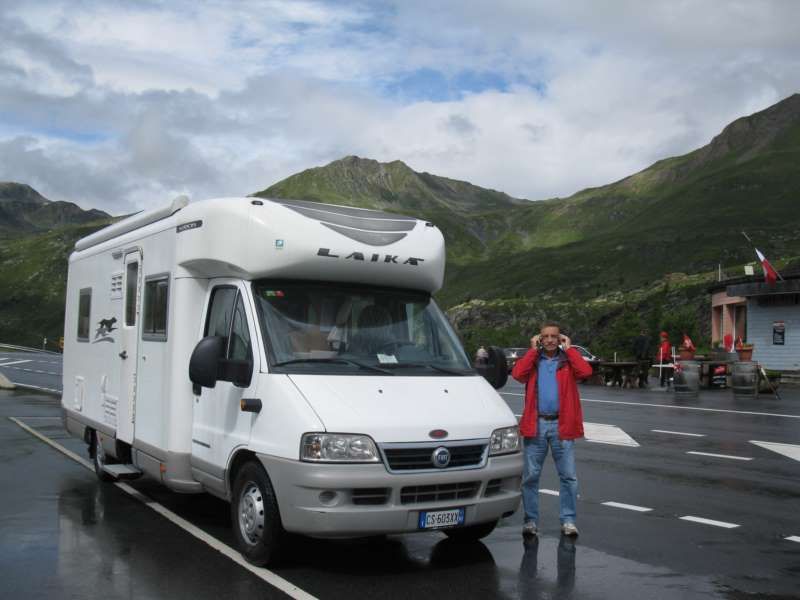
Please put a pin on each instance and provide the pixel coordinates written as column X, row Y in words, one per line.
column 335, row 500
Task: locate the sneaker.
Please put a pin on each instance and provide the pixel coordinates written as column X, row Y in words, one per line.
column 529, row 529
column 569, row 529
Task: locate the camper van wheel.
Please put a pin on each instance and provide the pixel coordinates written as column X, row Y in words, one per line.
column 99, row 458
column 471, row 533
column 254, row 512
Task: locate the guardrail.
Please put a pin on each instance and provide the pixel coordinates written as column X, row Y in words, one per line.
column 27, row 349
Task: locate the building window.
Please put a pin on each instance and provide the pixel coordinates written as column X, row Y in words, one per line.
column 156, row 305
column 84, row 314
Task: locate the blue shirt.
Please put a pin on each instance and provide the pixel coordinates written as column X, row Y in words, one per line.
column 547, row 386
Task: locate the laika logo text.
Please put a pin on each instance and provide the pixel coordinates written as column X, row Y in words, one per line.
column 384, row 258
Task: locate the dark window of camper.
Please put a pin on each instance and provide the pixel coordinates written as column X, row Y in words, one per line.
column 131, row 282
column 239, row 347
column 84, row 314
column 220, row 312
column 156, row 296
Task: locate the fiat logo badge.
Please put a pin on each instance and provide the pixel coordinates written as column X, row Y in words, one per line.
column 441, row 457
column 438, row 434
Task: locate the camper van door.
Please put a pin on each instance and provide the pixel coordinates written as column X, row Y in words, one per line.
column 129, row 347
column 219, row 424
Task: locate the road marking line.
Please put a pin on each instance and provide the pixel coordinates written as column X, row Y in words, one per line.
column 793, row 538
column 549, row 492
column 710, row 522
column 16, row 362
column 265, row 574
column 679, row 433
column 627, row 506
column 790, row 450
column 36, row 387
column 720, row 455
column 719, row 410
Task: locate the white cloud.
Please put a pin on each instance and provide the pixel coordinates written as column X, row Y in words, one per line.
column 122, row 105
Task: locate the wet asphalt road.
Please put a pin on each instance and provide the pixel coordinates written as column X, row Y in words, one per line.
column 63, row 534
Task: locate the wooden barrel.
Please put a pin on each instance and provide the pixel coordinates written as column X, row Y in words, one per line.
column 744, row 380
column 686, row 381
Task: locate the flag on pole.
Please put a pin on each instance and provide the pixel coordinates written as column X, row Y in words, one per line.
column 770, row 274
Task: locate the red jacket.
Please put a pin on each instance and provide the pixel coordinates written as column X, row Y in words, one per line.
column 664, row 353
column 570, row 415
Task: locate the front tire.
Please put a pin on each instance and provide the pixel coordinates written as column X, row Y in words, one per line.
column 471, row 533
column 254, row 512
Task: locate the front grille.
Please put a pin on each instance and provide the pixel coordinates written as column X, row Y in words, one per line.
column 370, row 496
column 493, row 487
column 416, row 494
column 421, row 457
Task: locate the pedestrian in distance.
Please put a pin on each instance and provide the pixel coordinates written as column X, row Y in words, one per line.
column 641, row 350
column 552, row 419
column 482, row 356
column 664, row 357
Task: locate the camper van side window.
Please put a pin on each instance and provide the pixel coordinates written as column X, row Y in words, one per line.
column 220, row 313
column 239, row 347
column 84, row 314
column 156, row 297
column 131, row 283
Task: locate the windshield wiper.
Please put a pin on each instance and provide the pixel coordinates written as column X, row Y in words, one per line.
column 447, row 370
column 340, row 361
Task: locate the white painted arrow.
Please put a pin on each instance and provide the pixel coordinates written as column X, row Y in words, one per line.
column 607, row 434
column 790, row 450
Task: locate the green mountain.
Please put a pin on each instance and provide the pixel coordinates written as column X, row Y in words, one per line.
column 36, row 238
column 23, row 210
column 605, row 261
column 609, row 250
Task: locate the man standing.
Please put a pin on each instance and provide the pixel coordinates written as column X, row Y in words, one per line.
column 641, row 350
column 664, row 357
column 552, row 418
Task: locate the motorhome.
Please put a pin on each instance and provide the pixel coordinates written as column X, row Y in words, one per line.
column 288, row 357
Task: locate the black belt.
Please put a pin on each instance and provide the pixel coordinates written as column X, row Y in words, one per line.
column 549, row 417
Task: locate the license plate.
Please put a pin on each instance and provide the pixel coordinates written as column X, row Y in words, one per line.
column 435, row 519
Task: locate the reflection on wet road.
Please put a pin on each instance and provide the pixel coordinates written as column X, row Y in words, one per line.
column 63, row 534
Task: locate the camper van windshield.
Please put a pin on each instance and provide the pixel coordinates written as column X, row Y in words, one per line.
column 337, row 328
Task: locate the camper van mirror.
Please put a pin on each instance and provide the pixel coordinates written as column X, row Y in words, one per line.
column 495, row 369
column 238, row 372
column 204, row 364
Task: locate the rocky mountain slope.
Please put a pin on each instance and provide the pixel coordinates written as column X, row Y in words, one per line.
column 23, row 210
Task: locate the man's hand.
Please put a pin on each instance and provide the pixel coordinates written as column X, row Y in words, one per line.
column 535, row 342
column 565, row 342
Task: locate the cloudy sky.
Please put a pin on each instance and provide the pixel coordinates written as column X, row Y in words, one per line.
column 122, row 105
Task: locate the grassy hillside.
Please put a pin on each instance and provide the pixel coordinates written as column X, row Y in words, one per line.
column 621, row 241
column 33, row 277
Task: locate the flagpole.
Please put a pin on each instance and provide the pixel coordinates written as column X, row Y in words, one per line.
column 754, row 246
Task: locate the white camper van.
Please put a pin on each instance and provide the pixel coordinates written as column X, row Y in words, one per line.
column 288, row 357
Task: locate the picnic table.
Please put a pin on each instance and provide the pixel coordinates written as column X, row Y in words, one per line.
column 618, row 372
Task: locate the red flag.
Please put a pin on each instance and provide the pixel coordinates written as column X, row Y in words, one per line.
column 770, row 274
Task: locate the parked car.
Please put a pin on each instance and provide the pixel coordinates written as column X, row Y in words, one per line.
column 514, row 354
column 585, row 353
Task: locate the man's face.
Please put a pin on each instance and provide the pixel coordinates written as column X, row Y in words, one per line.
column 549, row 337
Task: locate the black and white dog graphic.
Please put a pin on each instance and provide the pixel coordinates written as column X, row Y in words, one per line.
column 105, row 327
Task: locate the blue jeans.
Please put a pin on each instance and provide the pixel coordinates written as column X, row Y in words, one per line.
column 564, row 457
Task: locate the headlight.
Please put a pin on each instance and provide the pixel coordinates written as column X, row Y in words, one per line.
column 338, row 447
column 504, row 441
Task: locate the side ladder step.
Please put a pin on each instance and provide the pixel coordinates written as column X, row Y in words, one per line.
column 123, row 471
